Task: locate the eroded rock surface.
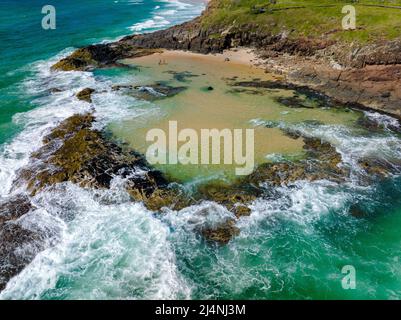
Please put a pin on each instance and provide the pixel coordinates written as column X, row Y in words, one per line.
column 75, row 152
column 86, row 95
column 18, row 245
column 100, row 55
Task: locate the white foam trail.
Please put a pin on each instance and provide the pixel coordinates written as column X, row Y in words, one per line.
column 108, row 249
column 155, row 23
column 349, row 142
column 172, row 13
column 108, row 105
column 385, row 120
column 106, row 245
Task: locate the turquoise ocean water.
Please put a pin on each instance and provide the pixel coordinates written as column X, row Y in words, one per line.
column 101, row 246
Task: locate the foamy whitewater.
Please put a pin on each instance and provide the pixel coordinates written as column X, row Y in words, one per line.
column 100, row 245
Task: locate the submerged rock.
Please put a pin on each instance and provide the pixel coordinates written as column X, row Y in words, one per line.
column 312, row 98
column 85, row 94
column 182, row 76
column 151, row 92
column 221, row 234
column 297, row 102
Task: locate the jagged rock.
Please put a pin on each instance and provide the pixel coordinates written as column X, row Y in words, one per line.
column 378, row 168
column 161, row 197
column 55, row 90
column 221, row 234
column 75, row 152
column 375, row 126
column 321, row 162
column 85, row 95
column 18, row 246
column 100, row 55
column 235, row 197
column 14, row 208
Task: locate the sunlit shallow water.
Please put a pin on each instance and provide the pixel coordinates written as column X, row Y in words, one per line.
column 211, row 101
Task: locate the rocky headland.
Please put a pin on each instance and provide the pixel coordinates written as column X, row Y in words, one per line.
column 357, row 73
column 360, row 75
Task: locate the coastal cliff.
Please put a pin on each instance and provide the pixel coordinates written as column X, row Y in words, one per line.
column 360, row 68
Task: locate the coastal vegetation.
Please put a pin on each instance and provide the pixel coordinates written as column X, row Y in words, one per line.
column 376, row 20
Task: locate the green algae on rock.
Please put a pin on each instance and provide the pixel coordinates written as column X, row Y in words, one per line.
column 75, row 152
column 322, row 161
column 100, row 55
column 221, row 234
column 85, row 95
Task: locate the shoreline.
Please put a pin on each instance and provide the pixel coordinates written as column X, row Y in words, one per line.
column 284, row 70
column 364, row 76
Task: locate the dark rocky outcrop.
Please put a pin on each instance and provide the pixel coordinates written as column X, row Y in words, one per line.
column 374, row 87
column 150, row 92
column 322, row 161
column 100, row 55
column 376, row 168
column 14, row 208
column 221, row 234
column 75, row 152
column 18, row 246
column 86, row 95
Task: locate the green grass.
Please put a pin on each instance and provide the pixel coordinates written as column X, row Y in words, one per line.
column 310, row 18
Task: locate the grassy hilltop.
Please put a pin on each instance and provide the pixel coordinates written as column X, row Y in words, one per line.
column 376, row 20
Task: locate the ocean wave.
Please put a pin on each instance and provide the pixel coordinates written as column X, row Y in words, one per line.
column 171, row 13
column 350, row 142
column 110, row 249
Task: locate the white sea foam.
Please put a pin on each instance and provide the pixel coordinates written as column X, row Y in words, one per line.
column 173, row 12
column 385, row 120
column 348, row 141
column 108, row 106
column 123, row 249
column 106, row 250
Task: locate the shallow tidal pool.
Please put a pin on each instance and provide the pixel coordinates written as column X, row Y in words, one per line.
column 210, row 99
